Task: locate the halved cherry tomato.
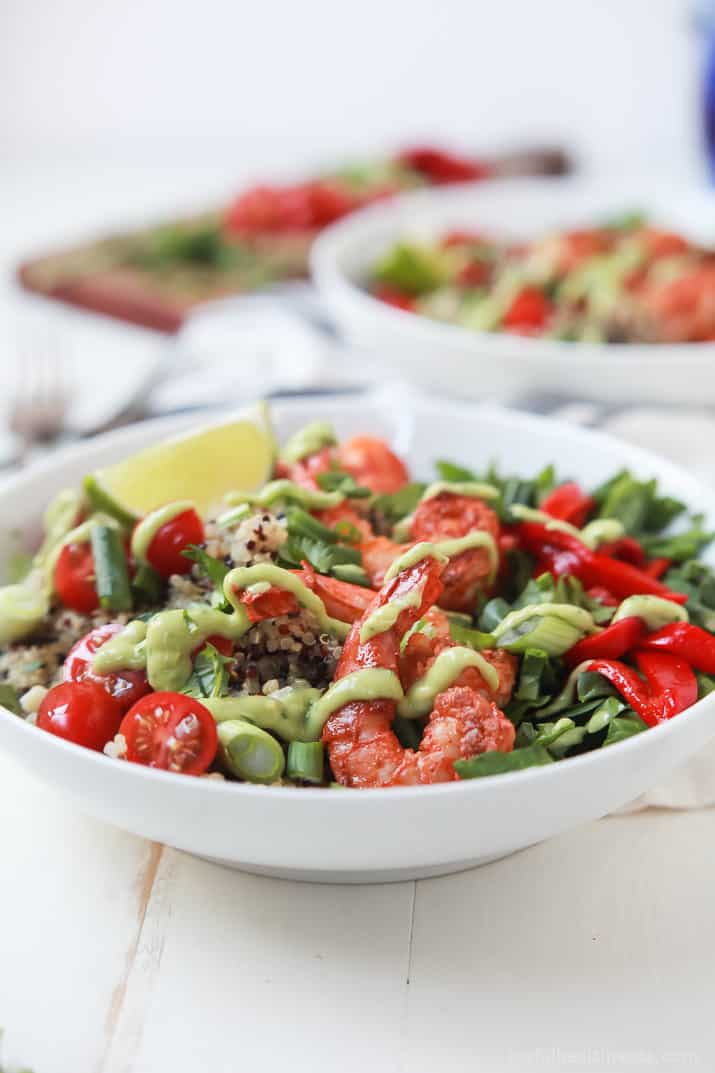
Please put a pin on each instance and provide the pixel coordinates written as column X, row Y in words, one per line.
column 371, row 462
column 74, row 578
column 125, row 686
column 474, row 274
column 268, row 604
column 391, row 296
column 164, row 552
column 224, row 645
column 529, row 311
column 170, row 731
column 82, row 712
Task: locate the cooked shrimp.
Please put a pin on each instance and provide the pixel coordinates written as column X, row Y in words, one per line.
column 342, row 600
column 444, row 517
column 307, row 469
column 422, row 650
column 372, row 463
column 363, row 749
column 683, row 309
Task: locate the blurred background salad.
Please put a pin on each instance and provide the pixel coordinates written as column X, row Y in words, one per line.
column 114, row 118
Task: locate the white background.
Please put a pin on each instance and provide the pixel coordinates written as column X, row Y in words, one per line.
column 256, row 83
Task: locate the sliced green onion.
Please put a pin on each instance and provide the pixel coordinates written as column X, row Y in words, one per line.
column 475, row 639
column 624, row 726
column 101, row 500
column 9, row 699
column 706, row 684
column 351, row 572
column 553, row 635
column 496, row 763
column 233, row 516
column 566, row 741
column 306, row 761
column 533, row 666
column 249, row 752
column 492, row 614
column 111, row 575
column 603, row 715
column 301, row 523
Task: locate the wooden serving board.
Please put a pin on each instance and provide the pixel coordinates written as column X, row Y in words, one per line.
column 137, row 277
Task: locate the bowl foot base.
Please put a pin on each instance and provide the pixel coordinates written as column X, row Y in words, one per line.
column 396, row 875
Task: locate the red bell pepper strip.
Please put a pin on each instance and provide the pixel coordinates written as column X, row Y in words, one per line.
column 671, row 681
column 693, row 644
column 670, row 684
column 611, row 643
column 657, row 567
column 590, row 567
column 623, row 580
column 597, row 592
column 627, row 550
column 569, row 503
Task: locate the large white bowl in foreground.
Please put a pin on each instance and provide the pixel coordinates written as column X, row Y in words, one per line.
column 350, row 836
column 467, row 364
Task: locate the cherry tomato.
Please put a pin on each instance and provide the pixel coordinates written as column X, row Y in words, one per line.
column 371, row 462
column 82, row 712
column 74, row 578
column 125, row 686
column 164, row 551
column 529, row 311
column 170, row 731
column 391, row 296
column 474, row 274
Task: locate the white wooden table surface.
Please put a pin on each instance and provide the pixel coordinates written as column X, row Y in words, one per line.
column 590, row 953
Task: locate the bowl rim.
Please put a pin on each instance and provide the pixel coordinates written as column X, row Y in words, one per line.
column 479, row 786
column 336, row 285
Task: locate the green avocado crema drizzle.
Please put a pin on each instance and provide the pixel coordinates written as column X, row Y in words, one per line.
column 149, row 526
column 600, row 531
column 442, row 550
column 471, row 489
column 445, row 670
column 287, row 491
column 655, row 611
column 307, row 441
column 165, row 643
column 288, row 712
column 384, row 618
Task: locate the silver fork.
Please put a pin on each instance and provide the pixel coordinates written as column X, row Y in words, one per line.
column 41, row 398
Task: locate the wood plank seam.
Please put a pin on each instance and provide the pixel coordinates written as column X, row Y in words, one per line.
column 146, row 886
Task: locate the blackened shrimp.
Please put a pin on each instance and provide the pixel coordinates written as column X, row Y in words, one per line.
column 362, row 747
column 445, row 517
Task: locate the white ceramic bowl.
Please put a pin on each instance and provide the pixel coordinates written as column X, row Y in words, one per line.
column 353, row 836
column 467, row 364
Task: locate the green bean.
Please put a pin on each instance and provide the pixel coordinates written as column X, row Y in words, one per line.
column 249, row 752
column 110, row 569
column 306, row 761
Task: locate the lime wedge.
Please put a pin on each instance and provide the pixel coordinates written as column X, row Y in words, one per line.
column 201, row 466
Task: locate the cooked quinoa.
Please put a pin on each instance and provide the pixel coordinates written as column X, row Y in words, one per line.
column 39, row 663
column 283, row 651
